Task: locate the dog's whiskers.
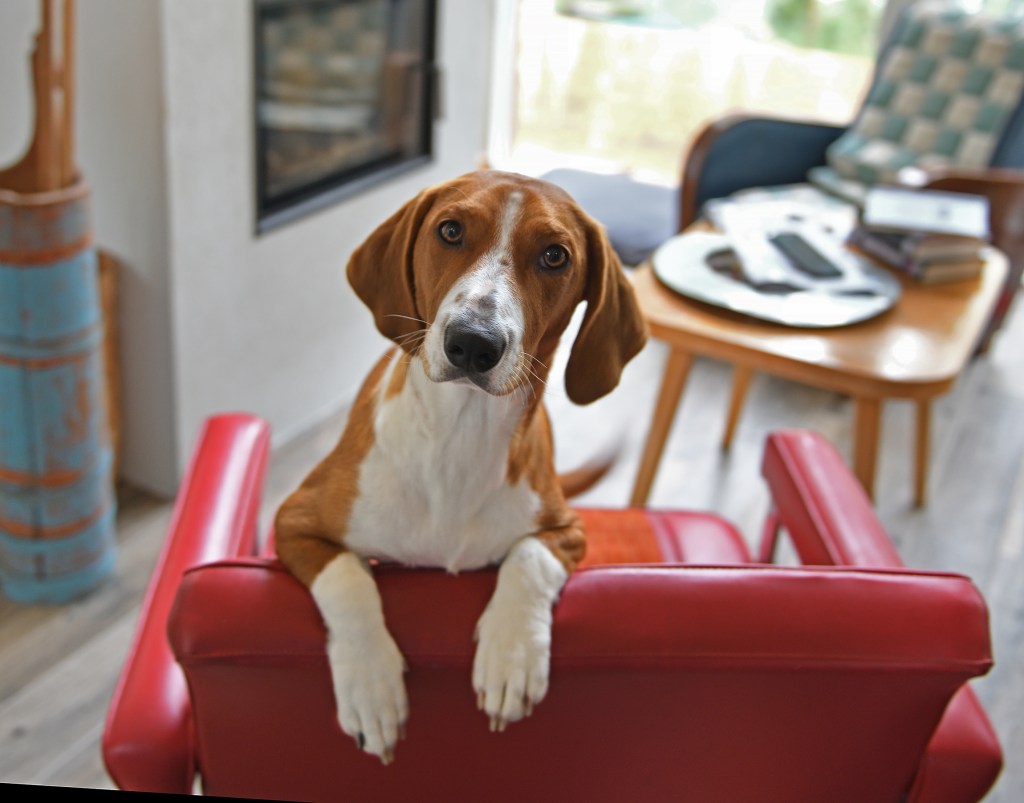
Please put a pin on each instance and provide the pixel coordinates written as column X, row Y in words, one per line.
column 530, row 356
column 412, row 341
column 522, row 374
column 534, row 374
column 524, row 368
column 420, row 334
column 517, row 383
column 523, row 385
column 408, row 318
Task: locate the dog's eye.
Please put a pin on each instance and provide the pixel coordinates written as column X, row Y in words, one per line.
column 450, row 231
column 554, row 258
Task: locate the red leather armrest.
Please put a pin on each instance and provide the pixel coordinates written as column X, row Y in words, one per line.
column 963, row 758
column 822, row 505
column 147, row 739
column 830, row 520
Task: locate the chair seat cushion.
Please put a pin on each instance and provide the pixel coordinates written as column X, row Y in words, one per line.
column 638, row 216
column 638, row 535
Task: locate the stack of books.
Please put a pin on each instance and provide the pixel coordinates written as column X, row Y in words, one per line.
column 927, row 235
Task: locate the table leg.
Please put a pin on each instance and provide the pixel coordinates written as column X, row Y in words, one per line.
column 867, row 420
column 672, row 384
column 924, row 416
column 740, row 383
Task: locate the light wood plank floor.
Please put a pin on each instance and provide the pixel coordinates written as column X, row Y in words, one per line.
column 58, row 665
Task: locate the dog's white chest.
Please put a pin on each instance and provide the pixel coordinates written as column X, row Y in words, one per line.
column 433, row 489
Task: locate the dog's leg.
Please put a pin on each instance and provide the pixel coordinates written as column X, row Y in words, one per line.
column 366, row 665
column 513, row 655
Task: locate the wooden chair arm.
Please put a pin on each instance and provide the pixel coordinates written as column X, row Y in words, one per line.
column 963, row 179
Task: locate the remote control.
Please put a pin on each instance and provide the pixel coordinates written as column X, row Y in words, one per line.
column 803, row 256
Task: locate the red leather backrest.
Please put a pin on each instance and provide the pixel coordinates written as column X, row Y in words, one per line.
column 668, row 683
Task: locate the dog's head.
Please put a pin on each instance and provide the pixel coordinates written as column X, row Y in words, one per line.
column 481, row 276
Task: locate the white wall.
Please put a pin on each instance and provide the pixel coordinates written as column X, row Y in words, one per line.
column 17, row 23
column 213, row 317
column 121, row 141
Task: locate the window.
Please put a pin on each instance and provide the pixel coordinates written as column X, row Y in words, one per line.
column 619, row 96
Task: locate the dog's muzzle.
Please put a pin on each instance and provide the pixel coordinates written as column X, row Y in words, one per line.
column 473, row 348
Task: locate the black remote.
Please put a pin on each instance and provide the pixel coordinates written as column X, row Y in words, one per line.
column 803, row 256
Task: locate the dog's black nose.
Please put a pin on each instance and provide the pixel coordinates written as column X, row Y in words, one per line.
column 473, row 348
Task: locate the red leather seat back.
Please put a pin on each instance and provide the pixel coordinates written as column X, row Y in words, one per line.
column 668, row 683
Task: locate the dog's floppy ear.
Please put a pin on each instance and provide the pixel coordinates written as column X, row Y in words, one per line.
column 381, row 270
column 613, row 328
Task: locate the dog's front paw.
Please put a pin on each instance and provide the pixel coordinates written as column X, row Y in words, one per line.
column 370, row 692
column 510, row 671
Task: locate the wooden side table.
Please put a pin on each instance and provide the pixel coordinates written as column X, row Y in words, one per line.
column 914, row 351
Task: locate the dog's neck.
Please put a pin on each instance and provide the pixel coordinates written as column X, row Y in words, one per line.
column 439, row 471
column 461, row 406
column 456, row 413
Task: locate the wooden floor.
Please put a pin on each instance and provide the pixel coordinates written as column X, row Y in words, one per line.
column 58, row 665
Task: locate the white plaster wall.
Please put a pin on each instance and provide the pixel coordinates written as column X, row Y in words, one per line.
column 121, row 138
column 119, row 126
column 18, row 22
column 267, row 323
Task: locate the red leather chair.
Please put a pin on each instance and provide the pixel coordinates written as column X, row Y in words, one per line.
column 680, row 670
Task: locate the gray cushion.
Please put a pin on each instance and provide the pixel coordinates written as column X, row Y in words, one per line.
column 638, row 216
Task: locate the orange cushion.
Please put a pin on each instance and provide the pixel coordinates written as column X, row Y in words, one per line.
column 638, row 535
column 619, row 536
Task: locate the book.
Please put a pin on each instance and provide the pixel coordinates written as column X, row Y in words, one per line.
column 940, row 247
column 940, row 272
column 899, row 247
column 903, row 209
column 892, row 250
column 930, row 236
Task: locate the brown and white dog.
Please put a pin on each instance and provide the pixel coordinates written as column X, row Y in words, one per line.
column 447, row 458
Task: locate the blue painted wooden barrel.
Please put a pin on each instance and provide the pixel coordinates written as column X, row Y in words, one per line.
column 56, row 491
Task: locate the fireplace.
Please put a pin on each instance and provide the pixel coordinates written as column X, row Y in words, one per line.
column 346, row 95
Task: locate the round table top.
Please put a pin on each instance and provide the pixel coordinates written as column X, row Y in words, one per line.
column 915, row 349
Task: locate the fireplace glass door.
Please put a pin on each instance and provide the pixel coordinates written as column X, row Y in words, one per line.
column 345, row 97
